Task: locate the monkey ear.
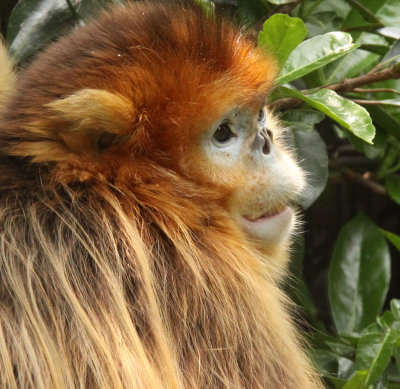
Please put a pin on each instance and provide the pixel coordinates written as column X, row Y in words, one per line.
column 93, row 119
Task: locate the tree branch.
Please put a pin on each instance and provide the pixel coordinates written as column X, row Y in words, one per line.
column 347, row 85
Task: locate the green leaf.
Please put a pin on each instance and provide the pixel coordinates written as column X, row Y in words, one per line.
column 385, row 11
column 369, row 38
column 357, row 62
column 315, row 53
column 357, row 381
column 373, row 42
column 313, row 158
column 392, row 56
column 341, row 349
column 321, row 23
column 296, row 286
column 386, row 320
column 334, row 382
column 281, row 34
column 324, row 16
column 340, row 7
column 389, row 123
column 371, row 151
column 346, row 368
column 33, row 23
column 88, row 9
column 325, row 361
column 298, row 289
column 350, row 115
column 389, row 12
column 390, row 32
column 359, row 275
column 250, row 11
column 374, row 352
column 392, row 183
column 392, row 238
column 395, row 308
column 396, row 354
column 352, row 65
column 302, row 119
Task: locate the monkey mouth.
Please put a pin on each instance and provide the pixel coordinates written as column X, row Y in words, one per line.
column 267, row 215
column 270, row 227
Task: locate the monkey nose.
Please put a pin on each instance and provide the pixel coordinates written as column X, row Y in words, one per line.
column 267, row 141
column 263, row 141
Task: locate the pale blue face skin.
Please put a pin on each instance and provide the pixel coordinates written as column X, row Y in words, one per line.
column 244, row 145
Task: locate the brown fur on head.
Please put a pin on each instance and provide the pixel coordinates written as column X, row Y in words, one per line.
column 121, row 262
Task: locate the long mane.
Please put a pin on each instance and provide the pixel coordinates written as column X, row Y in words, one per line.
column 107, row 289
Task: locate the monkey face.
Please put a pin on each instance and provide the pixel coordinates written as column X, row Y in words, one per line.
column 244, row 152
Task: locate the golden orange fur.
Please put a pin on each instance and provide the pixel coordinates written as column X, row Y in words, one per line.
column 120, row 266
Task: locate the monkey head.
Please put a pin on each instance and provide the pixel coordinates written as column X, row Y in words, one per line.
column 188, row 94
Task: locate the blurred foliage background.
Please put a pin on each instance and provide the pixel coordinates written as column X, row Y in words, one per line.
column 338, row 93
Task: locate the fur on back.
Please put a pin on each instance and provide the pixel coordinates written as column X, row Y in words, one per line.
column 117, row 268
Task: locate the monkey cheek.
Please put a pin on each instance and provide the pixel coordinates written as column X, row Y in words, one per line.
column 271, row 230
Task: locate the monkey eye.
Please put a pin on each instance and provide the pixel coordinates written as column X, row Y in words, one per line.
column 261, row 116
column 223, row 135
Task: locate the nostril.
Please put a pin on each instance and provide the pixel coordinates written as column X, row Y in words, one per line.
column 262, row 142
column 271, row 135
column 267, row 135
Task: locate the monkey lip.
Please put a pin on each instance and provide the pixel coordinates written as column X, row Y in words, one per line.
column 267, row 215
column 270, row 227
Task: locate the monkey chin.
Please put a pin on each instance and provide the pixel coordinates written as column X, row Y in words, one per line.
column 271, row 228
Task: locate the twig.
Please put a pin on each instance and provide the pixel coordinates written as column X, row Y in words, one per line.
column 368, row 102
column 286, row 103
column 375, row 90
column 365, row 181
column 375, row 69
